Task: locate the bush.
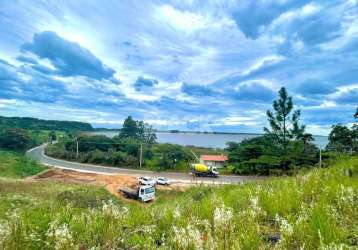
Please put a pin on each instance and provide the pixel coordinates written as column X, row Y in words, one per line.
column 260, row 155
column 15, row 139
column 96, row 156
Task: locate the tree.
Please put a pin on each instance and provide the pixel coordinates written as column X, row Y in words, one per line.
column 146, row 133
column 149, row 135
column 170, row 155
column 356, row 114
column 354, row 131
column 15, row 138
column 137, row 130
column 284, row 126
column 52, row 136
column 340, row 139
column 129, row 129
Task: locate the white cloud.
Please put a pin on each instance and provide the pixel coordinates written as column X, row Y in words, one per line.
column 265, row 61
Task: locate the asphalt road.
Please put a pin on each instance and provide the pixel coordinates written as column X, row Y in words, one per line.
column 38, row 153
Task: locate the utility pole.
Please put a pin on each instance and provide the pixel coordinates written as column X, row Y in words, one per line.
column 76, row 148
column 141, row 155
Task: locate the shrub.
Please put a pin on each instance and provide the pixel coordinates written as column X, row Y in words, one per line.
column 15, row 139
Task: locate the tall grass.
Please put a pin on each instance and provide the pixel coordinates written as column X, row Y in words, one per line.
column 316, row 210
column 17, row 165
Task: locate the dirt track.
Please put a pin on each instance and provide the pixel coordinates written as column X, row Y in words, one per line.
column 110, row 182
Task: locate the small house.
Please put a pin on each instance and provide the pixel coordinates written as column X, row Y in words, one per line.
column 218, row 161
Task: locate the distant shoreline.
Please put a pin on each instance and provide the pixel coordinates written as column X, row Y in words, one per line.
column 190, row 132
column 179, row 132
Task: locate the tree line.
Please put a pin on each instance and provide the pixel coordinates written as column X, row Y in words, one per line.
column 21, row 133
column 29, row 123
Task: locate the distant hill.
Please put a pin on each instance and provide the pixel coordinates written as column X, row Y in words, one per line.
column 34, row 124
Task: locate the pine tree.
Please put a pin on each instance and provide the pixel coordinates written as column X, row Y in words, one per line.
column 284, row 126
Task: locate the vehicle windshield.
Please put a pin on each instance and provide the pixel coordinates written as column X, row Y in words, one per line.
column 149, row 190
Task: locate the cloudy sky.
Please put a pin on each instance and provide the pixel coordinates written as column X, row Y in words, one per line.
column 194, row 65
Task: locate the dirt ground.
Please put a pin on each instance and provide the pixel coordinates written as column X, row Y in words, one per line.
column 111, row 182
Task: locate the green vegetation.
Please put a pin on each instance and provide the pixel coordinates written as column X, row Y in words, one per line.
column 21, row 139
column 122, row 153
column 19, row 134
column 343, row 139
column 124, row 150
column 137, row 131
column 15, row 139
column 38, row 124
column 284, row 148
column 16, row 165
column 316, row 210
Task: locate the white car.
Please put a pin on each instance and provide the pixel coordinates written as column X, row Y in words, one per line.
column 147, row 181
column 163, row 181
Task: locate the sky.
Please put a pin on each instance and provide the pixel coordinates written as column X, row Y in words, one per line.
column 183, row 64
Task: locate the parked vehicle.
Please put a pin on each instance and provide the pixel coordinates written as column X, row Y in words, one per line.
column 163, row 181
column 147, row 181
column 142, row 193
column 204, row 171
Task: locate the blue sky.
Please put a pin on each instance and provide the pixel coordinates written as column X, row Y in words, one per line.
column 193, row 65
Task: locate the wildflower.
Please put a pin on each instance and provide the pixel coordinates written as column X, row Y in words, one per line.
column 33, row 237
column 110, row 209
column 255, row 208
column 335, row 246
column 347, row 195
column 177, row 212
column 60, row 235
column 4, row 230
column 188, row 237
column 285, row 227
column 145, row 229
column 13, row 214
column 222, row 216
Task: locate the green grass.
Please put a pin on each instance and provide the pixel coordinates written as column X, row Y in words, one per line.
column 316, row 210
column 17, row 165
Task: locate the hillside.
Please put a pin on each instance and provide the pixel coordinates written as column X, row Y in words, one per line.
column 38, row 124
column 316, row 210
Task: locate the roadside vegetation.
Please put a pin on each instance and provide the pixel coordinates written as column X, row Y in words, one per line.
column 20, row 134
column 316, row 210
column 17, row 165
column 124, row 150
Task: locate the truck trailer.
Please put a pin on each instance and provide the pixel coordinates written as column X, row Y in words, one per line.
column 141, row 193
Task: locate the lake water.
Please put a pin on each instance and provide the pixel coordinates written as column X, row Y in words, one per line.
column 208, row 140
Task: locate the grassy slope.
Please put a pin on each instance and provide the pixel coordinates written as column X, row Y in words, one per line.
column 16, row 165
column 316, row 210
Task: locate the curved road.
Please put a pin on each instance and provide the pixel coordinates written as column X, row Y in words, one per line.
column 38, row 153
